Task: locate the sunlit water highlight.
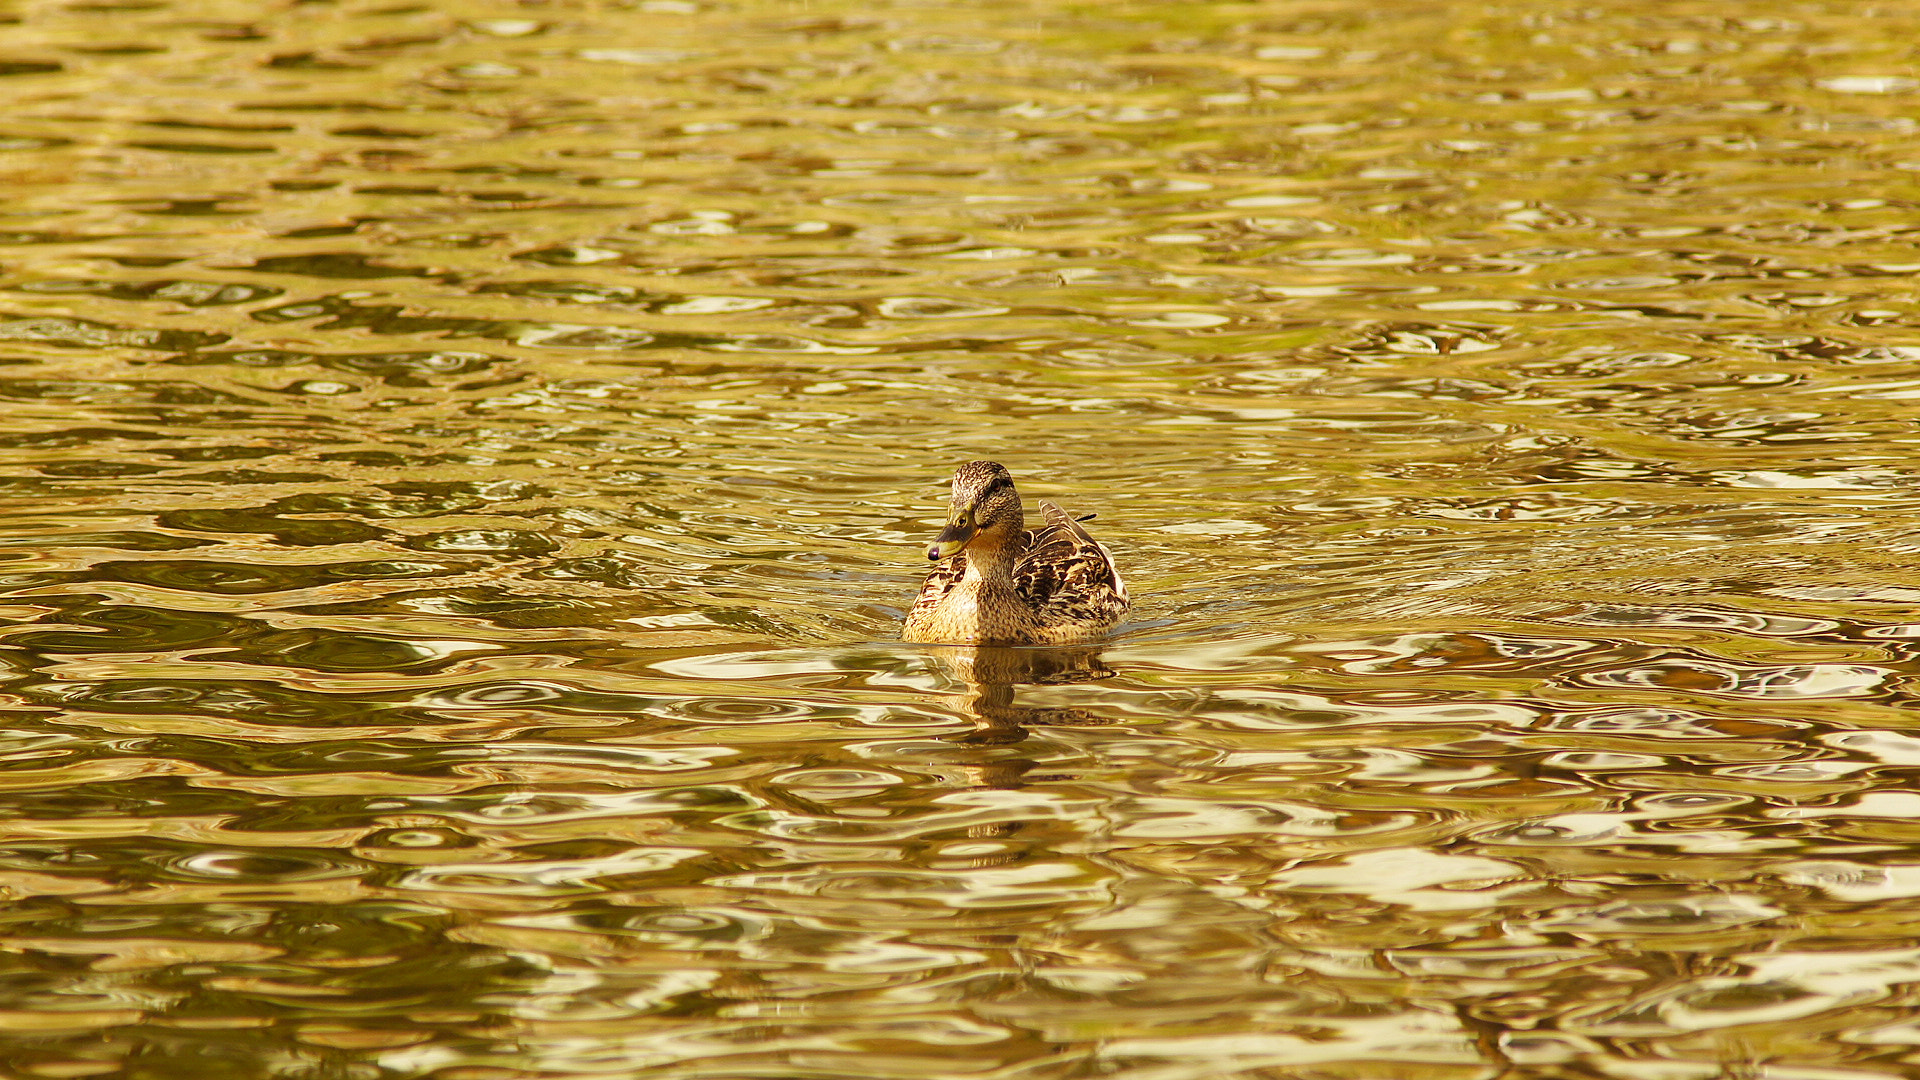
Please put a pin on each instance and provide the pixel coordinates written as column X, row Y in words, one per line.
column 465, row 465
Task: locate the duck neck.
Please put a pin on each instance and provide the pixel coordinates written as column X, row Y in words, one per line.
column 990, row 566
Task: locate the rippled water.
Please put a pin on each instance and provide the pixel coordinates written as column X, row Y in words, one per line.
column 465, row 465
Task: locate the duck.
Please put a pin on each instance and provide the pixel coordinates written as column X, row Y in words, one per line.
column 996, row 582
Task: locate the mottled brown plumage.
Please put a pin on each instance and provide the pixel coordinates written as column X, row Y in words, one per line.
column 999, row 583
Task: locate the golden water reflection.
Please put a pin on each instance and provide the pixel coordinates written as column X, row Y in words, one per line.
column 988, row 677
column 464, row 464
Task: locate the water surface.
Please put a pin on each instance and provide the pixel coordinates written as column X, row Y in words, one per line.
column 464, row 466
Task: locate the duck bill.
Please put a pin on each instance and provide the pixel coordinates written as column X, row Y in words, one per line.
column 950, row 541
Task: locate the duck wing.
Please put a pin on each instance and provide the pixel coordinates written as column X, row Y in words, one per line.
column 1068, row 576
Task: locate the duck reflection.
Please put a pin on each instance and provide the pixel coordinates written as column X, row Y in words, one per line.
column 985, row 679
